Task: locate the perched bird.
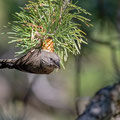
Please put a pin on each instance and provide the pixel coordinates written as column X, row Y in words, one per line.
column 35, row 61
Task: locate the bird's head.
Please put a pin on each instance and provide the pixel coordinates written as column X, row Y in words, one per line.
column 50, row 59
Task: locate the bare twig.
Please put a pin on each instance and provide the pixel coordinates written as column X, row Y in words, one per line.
column 113, row 54
column 114, row 61
column 100, row 42
column 77, row 81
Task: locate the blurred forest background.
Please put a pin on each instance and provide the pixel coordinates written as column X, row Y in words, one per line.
column 54, row 97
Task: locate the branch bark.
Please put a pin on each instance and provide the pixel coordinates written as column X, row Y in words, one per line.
column 104, row 105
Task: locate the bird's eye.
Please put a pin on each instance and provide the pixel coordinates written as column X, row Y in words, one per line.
column 51, row 59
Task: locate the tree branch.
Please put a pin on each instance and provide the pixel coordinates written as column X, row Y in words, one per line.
column 104, row 105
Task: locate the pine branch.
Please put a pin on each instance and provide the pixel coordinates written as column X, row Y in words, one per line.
column 50, row 19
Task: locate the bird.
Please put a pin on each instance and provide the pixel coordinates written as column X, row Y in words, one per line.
column 35, row 61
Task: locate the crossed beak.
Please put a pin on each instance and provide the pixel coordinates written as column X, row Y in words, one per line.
column 57, row 64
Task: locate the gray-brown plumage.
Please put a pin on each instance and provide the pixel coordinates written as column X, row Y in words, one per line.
column 36, row 61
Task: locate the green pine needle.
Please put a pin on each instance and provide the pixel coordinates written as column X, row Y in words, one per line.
column 51, row 19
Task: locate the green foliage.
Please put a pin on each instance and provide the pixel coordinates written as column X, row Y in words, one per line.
column 50, row 19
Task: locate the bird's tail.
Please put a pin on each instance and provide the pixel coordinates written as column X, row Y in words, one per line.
column 7, row 63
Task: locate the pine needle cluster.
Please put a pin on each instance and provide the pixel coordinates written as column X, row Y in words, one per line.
column 54, row 19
